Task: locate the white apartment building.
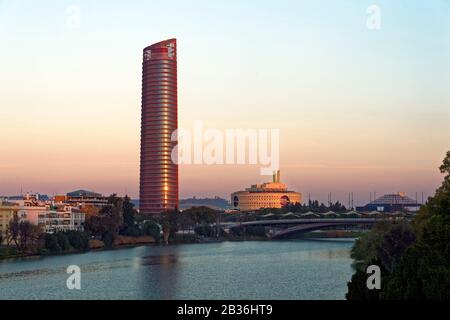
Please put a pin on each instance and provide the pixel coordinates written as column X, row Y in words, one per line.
column 61, row 219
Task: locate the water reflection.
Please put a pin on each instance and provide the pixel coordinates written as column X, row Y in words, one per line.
column 164, row 260
column 158, row 274
column 229, row 270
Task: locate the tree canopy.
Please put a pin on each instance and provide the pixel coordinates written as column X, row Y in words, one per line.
column 415, row 259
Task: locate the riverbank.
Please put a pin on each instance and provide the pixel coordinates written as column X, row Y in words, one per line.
column 130, row 242
column 331, row 234
column 94, row 245
column 8, row 253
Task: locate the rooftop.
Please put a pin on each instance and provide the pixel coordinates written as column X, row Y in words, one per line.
column 84, row 193
column 394, row 198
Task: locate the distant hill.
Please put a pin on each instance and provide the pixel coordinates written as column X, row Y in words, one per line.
column 215, row 203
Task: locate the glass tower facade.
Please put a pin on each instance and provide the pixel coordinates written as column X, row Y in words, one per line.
column 159, row 119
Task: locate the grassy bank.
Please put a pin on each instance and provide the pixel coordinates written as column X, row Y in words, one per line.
column 9, row 252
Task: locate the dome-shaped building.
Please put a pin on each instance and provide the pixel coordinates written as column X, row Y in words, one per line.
column 390, row 203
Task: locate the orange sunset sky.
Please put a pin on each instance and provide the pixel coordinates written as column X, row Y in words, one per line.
column 358, row 110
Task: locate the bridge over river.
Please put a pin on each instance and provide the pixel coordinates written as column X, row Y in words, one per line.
column 287, row 227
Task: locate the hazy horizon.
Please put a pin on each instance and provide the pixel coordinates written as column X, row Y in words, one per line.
column 358, row 110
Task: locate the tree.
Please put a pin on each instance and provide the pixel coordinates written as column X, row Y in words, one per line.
column 25, row 235
column 12, row 233
column 108, row 239
column 129, row 228
column 357, row 287
column 29, row 236
column 187, row 220
column 63, row 241
column 322, row 208
column 445, row 168
column 366, row 247
column 416, row 261
column 78, row 240
column 424, row 270
column 151, row 228
column 94, row 225
column 201, row 215
column 108, row 222
column 128, row 212
column 421, row 274
column 112, row 215
column 394, row 244
column 51, row 242
column 205, row 231
column 166, row 228
column 170, row 223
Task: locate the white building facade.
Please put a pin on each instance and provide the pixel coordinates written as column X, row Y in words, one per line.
column 61, row 219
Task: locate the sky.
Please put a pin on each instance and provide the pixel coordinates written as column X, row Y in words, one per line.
column 359, row 110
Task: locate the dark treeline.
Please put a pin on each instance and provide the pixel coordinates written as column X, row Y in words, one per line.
column 121, row 218
column 311, row 205
column 414, row 259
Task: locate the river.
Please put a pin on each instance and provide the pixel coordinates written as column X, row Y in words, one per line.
column 297, row 269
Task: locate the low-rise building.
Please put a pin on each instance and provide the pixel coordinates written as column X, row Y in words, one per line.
column 31, row 213
column 82, row 198
column 63, row 218
column 390, row 203
column 7, row 213
column 29, row 199
column 50, row 218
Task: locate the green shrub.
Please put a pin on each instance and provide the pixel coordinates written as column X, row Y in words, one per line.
column 78, row 239
column 151, row 228
column 108, row 239
column 51, row 242
column 205, row 231
column 133, row 231
column 63, row 241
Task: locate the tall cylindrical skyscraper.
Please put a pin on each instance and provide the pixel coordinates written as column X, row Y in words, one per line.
column 159, row 119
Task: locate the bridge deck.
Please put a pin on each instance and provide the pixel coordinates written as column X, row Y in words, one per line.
column 303, row 222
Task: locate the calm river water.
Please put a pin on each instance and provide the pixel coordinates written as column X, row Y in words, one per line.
column 300, row 269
